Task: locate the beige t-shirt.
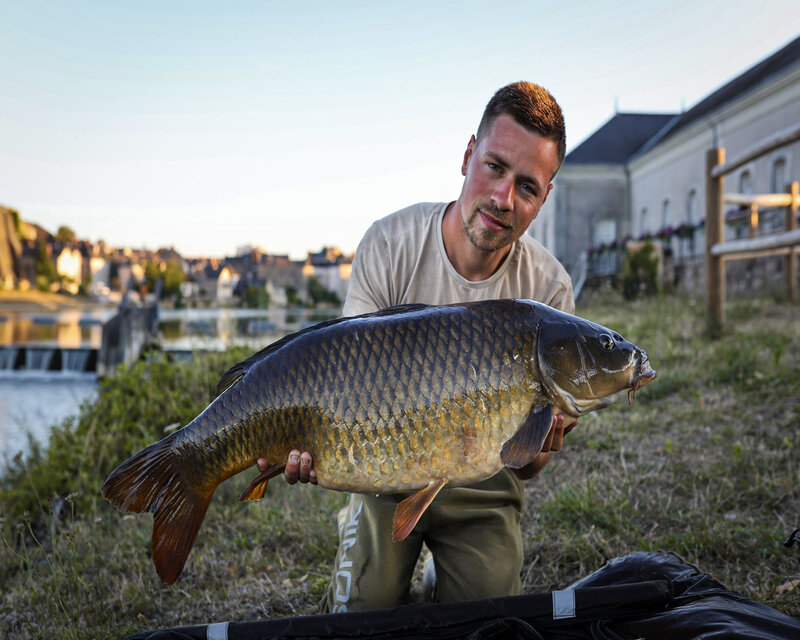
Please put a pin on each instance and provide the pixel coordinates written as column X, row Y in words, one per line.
column 402, row 260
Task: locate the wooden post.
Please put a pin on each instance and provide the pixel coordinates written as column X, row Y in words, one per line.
column 715, row 233
column 790, row 260
column 753, row 222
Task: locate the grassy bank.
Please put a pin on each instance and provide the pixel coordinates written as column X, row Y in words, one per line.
column 705, row 463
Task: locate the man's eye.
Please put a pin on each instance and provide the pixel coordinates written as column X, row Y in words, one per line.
column 493, row 166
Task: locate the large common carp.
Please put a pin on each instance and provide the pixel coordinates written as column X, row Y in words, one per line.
column 406, row 399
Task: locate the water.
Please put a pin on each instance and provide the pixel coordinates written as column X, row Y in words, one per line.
column 218, row 329
column 72, row 328
column 33, row 399
column 31, row 402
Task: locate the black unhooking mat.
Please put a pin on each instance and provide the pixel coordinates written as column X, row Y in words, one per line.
column 655, row 596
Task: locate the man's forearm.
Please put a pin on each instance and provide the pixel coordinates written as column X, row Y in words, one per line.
column 534, row 467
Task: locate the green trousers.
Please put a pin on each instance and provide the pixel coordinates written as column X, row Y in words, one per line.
column 473, row 534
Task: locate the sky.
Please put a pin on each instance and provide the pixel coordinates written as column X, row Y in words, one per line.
column 293, row 125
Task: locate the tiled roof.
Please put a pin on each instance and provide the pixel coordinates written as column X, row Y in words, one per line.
column 619, row 138
column 629, row 134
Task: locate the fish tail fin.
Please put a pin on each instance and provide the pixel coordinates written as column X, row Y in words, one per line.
column 150, row 481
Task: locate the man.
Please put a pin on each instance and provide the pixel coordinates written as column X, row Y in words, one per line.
column 472, row 249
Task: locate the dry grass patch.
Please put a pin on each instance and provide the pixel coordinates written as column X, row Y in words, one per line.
column 706, row 463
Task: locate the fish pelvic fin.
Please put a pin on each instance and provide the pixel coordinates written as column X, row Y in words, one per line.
column 256, row 489
column 150, row 481
column 527, row 442
column 410, row 510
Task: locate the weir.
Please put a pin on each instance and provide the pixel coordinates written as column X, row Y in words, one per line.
column 47, row 359
column 124, row 336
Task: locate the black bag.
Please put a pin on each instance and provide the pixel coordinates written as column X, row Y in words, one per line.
column 642, row 595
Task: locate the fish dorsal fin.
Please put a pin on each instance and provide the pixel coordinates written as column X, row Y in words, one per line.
column 410, row 510
column 527, row 442
column 237, row 371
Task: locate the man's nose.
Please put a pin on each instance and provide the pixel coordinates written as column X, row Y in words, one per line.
column 503, row 195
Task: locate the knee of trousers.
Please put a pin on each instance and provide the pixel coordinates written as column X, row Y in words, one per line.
column 370, row 571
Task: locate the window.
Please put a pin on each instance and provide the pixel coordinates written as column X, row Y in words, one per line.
column 691, row 207
column 778, row 182
column 605, row 232
column 746, row 182
column 690, row 222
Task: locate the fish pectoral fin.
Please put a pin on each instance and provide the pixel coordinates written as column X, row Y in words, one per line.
column 527, row 442
column 255, row 490
column 410, row 510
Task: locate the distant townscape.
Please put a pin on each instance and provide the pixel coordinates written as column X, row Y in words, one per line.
column 32, row 258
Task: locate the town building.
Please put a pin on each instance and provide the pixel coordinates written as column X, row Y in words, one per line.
column 642, row 175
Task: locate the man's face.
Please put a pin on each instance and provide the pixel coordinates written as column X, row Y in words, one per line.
column 507, row 179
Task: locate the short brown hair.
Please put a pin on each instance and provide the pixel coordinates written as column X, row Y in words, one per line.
column 531, row 106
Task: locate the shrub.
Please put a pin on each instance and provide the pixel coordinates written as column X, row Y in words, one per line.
column 640, row 271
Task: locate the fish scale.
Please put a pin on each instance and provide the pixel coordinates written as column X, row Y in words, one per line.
column 406, row 399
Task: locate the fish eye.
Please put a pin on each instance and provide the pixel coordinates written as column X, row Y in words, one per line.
column 606, row 342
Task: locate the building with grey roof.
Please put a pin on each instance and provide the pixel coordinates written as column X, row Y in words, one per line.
column 643, row 174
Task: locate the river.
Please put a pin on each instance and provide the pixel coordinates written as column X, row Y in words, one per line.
column 32, row 401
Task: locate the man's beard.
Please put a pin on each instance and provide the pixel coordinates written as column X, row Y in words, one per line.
column 483, row 239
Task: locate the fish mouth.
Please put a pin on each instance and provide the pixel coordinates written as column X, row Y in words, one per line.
column 644, row 374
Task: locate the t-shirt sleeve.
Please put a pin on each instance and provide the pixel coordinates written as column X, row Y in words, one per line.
column 563, row 298
column 370, row 281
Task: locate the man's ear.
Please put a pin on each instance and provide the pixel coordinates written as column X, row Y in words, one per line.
column 468, row 154
column 547, row 192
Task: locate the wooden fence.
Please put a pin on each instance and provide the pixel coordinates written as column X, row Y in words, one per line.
column 718, row 251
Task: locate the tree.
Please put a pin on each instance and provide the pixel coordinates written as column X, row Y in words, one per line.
column 640, row 272
column 170, row 272
column 292, row 297
column 44, row 268
column 65, row 235
column 319, row 293
column 255, row 298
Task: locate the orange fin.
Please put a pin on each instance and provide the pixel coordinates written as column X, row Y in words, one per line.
column 150, row 481
column 410, row 510
column 527, row 442
column 255, row 490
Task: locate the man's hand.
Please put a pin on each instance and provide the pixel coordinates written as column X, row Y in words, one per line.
column 299, row 467
column 555, row 438
column 553, row 442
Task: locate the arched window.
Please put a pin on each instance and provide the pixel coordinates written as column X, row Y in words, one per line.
column 666, row 240
column 690, row 222
column 779, row 179
column 691, row 207
column 778, row 183
column 746, row 182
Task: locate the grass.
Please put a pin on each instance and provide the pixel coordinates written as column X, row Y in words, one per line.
column 706, row 463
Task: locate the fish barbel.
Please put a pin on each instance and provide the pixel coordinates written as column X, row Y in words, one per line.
column 405, row 399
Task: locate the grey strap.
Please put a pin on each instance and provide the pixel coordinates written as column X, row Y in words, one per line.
column 563, row 604
column 217, row 631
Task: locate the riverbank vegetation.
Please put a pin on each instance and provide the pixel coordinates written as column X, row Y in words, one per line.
column 706, row 463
